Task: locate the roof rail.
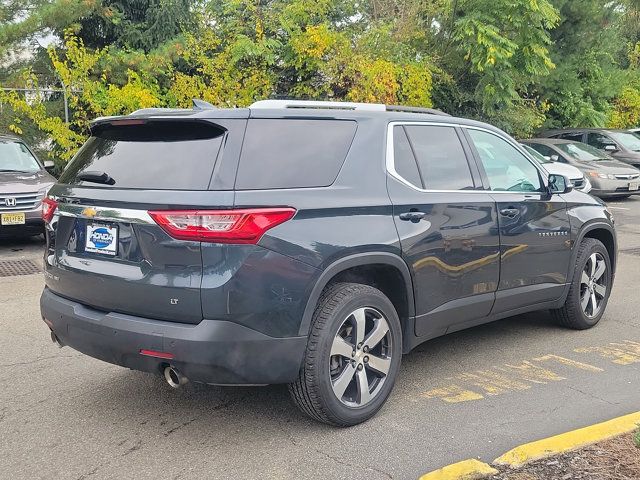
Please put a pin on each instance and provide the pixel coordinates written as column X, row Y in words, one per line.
column 378, row 107
column 317, row 104
column 402, row 108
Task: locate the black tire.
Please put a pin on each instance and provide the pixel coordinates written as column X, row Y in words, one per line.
column 572, row 314
column 313, row 392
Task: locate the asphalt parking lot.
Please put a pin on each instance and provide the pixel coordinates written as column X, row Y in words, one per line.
column 475, row 393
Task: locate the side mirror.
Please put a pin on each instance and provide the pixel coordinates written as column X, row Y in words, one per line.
column 49, row 165
column 547, row 157
column 554, row 158
column 559, row 184
column 610, row 148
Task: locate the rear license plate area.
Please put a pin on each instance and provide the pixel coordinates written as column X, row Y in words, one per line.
column 102, row 239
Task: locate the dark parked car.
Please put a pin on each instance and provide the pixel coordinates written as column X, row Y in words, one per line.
column 24, row 183
column 608, row 176
column 620, row 144
column 309, row 243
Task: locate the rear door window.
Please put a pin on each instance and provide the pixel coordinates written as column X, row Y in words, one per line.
column 151, row 155
column 441, row 159
column 293, row 153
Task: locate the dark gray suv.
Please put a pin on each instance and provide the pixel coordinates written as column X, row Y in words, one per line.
column 309, row 243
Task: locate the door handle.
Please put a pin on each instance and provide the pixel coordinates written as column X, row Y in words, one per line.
column 412, row 216
column 509, row 212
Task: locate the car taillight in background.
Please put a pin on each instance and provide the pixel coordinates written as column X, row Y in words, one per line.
column 221, row 226
column 49, row 206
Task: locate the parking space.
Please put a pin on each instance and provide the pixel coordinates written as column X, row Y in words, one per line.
column 475, row 393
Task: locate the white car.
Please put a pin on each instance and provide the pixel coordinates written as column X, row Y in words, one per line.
column 579, row 181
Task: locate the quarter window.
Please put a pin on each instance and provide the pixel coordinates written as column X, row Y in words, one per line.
column 442, row 163
column 507, row 169
column 293, row 153
column 405, row 162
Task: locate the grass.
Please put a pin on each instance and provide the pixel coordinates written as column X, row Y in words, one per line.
column 636, row 437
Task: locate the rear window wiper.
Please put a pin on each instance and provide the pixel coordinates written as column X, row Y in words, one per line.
column 96, row 177
column 14, row 170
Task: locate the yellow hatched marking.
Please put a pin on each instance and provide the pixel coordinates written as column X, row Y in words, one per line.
column 452, row 394
column 533, row 373
column 492, row 383
column 568, row 362
column 621, row 354
column 504, row 379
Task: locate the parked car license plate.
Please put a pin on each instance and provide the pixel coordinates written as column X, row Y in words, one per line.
column 12, row 219
column 102, row 239
column 634, row 185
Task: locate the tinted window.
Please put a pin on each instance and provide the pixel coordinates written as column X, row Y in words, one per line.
column 599, row 140
column 441, row 158
column 293, row 153
column 576, row 137
column 404, row 161
column 506, row 168
column 154, row 155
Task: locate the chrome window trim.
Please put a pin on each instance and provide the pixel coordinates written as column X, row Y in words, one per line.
column 390, row 159
column 107, row 214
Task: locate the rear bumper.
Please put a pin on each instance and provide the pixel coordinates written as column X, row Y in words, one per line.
column 213, row 351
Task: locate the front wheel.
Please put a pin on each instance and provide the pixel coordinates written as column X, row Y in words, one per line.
column 352, row 358
column 590, row 288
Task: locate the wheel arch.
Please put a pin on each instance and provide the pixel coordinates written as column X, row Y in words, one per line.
column 603, row 232
column 359, row 268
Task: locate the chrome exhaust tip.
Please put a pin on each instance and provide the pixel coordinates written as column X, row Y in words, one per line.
column 174, row 378
column 56, row 340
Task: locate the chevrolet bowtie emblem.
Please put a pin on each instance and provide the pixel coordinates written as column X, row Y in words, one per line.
column 89, row 212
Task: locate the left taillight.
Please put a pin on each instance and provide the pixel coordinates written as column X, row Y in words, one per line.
column 245, row 226
column 49, row 206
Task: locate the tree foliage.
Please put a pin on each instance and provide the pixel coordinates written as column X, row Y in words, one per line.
column 520, row 64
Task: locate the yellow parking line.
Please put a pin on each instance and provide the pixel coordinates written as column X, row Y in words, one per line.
column 466, row 470
column 569, row 441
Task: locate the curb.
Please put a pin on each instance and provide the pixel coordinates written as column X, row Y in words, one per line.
column 474, row 469
column 568, row 441
column 466, row 470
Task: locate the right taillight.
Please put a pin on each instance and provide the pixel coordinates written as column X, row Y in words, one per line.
column 49, row 206
column 221, row 226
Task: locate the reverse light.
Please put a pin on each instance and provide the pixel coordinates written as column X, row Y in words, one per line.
column 244, row 226
column 49, row 206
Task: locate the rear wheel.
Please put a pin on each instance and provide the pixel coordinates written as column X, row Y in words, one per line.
column 590, row 287
column 352, row 357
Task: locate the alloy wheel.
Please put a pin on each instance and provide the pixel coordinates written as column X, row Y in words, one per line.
column 360, row 357
column 593, row 285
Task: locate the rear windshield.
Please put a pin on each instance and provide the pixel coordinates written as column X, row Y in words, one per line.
column 293, row 153
column 153, row 155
